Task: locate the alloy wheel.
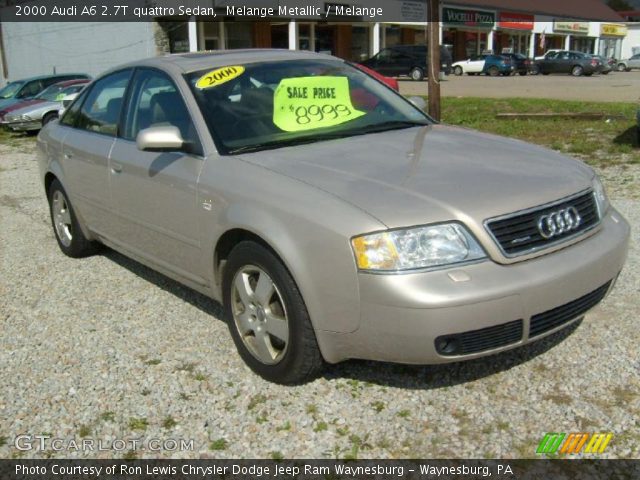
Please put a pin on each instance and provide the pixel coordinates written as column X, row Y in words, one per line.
column 61, row 218
column 259, row 314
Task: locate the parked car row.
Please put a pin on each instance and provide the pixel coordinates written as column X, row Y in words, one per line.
column 30, row 103
column 554, row 61
column 411, row 61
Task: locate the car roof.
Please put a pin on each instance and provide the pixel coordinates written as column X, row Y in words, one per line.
column 192, row 62
column 68, row 83
column 44, row 77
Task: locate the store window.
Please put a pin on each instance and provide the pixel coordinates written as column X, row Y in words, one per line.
column 360, row 44
column 239, row 35
column 211, row 36
column 304, row 36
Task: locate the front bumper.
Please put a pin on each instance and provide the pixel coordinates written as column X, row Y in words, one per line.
column 24, row 126
column 403, row 316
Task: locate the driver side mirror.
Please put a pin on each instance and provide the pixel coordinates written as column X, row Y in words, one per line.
column 418, row 102
column 160, row 139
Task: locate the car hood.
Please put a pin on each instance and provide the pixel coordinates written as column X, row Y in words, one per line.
column 19, row 105
column 40, row 107
column 430, row 174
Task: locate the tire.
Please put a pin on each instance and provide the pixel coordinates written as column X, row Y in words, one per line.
column 577, row 71
column 606, row 73
column 457, row 70
column 65, row 224
column 493, row 71
column 522, row 74
column 416, row 74
column 49, row 117
column 535, row 70
column 621, row 67
column 294, row 360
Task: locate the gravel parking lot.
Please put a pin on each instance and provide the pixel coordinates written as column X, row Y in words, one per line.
column 104, row 348
column 614, row 87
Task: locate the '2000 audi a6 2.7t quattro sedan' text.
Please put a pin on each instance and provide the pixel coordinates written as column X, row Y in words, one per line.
column 330, row 216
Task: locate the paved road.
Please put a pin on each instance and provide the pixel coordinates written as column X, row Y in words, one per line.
column 615, row 87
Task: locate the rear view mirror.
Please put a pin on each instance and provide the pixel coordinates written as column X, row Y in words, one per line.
column 166, row 138
column 418, row 102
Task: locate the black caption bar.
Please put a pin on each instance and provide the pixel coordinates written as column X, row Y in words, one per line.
column 316, row 469
column 411, row 11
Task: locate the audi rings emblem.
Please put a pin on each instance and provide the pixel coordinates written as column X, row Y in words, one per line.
column 559, row 222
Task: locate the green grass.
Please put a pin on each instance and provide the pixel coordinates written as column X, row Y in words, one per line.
column 138, row 423
column 14, row 139
column 597, row 142
column 219, row 444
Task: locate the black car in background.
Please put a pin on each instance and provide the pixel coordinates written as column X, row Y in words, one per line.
column 521, row 63
column 567, row 61
column 407, row 60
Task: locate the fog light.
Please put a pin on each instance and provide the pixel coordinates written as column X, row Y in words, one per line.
column 447, row 345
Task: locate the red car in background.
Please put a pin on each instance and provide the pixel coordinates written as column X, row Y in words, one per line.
column 391, row 82
column 47, row 95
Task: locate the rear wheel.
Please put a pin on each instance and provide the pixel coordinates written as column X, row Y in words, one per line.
column 621, row 67
column 522, row 74
column 416, row 74
column 67, row 230
column 577, row 71
column 457, row 70
column 493, row 71
column 267, row 317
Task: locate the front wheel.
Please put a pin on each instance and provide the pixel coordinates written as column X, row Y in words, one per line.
column 416, row 74
column 535, row 70
column 67, row 230
column 49, row 117
column 457, row 70
column 267, row 317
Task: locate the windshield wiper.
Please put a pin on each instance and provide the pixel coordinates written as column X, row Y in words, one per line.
column 273, row 144
column 374, row 128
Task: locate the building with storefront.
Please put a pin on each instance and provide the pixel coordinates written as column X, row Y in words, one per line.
column 467, row 27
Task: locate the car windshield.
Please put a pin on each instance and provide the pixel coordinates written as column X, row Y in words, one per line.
column 10, row 89
column 55, row 93
column 271, row 105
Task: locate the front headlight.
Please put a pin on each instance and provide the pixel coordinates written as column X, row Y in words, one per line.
column 601, row 196
column 416, row 248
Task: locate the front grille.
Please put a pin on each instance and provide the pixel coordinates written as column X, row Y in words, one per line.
column 543, row 322
column 518, row 233
column 475, row 341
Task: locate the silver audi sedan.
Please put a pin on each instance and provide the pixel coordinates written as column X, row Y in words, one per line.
column 330, row 216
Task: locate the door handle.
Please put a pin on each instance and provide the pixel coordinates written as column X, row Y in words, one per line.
column 116, row 167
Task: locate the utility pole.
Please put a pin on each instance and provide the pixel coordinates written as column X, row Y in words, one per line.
column 433, row 59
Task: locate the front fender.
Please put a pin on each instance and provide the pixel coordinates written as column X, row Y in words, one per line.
column 309, row 229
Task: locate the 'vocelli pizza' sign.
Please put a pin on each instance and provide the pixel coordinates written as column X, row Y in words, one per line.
column 472, row 18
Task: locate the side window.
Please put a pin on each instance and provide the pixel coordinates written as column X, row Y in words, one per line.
column 385, row 55
column 31, row 89
column 100, row 111
column 156, row 101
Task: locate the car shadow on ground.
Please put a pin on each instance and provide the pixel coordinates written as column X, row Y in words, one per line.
column 423, row 377
column 431, row 377
column 628, row 137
